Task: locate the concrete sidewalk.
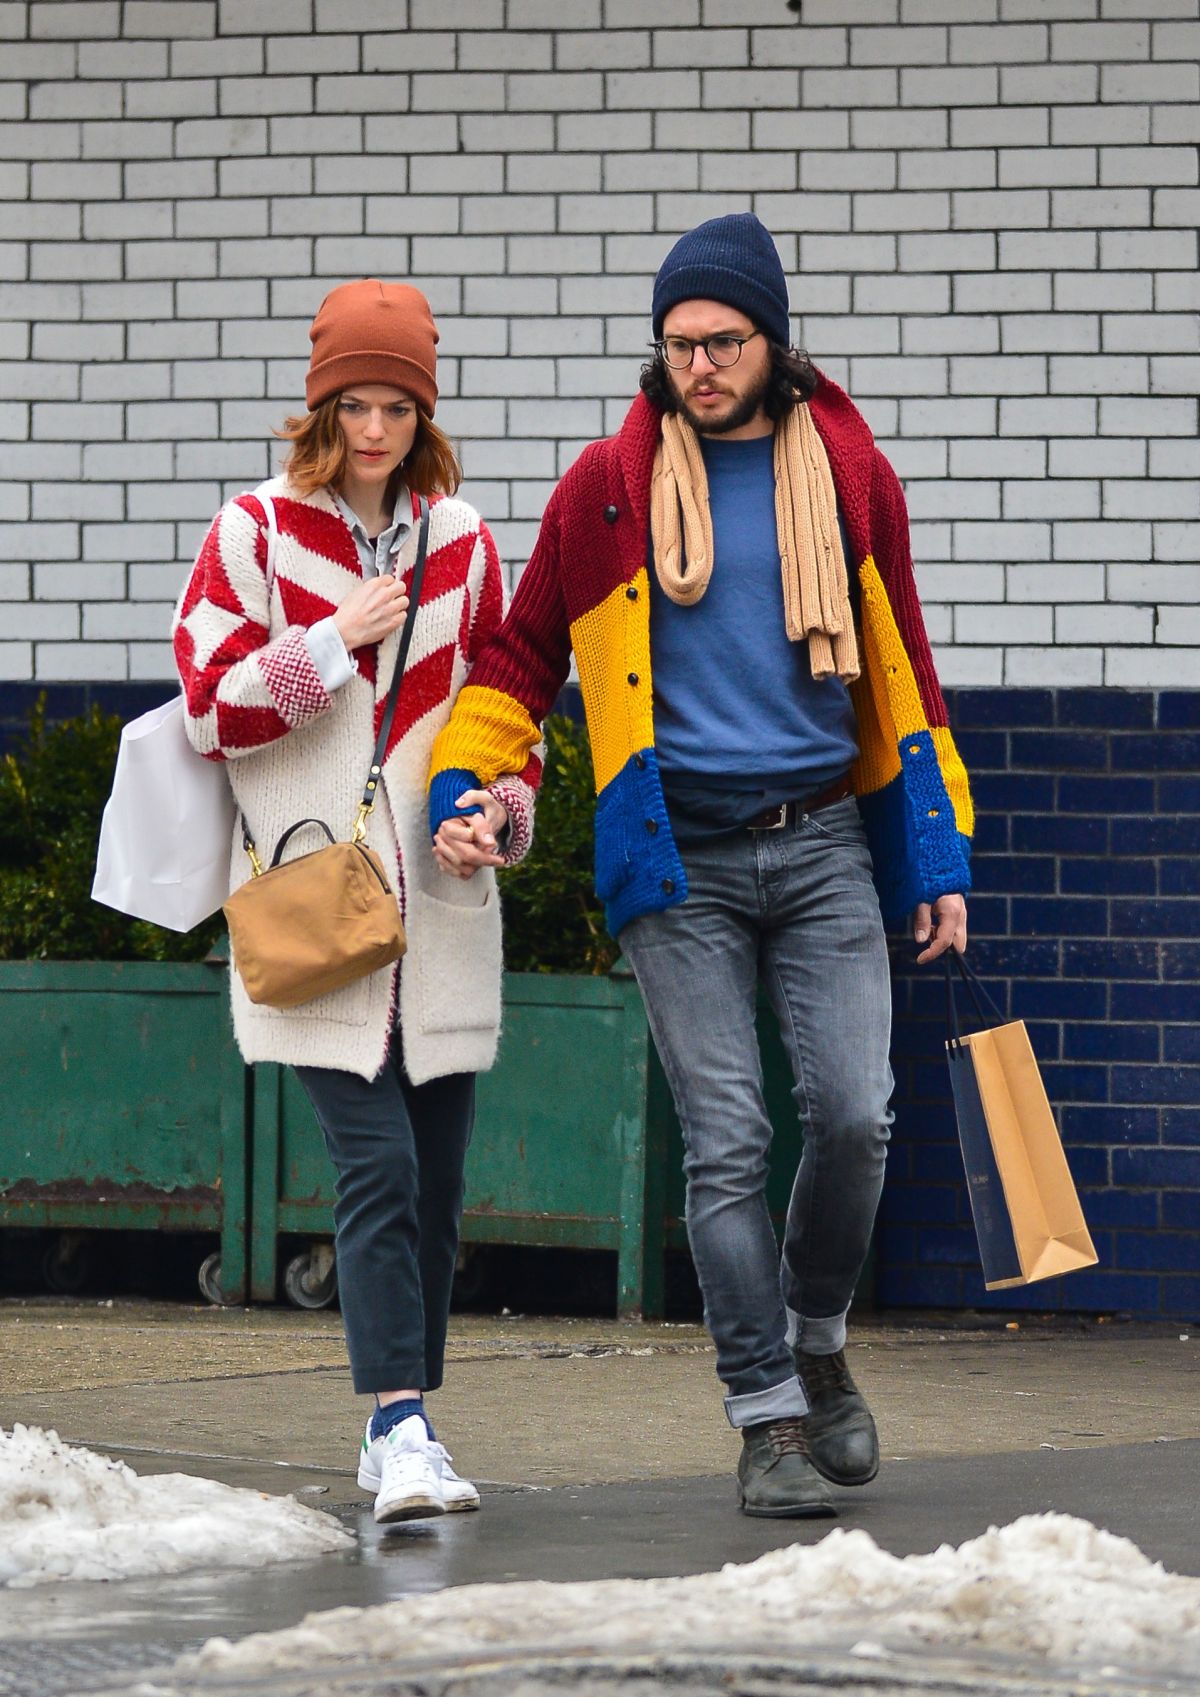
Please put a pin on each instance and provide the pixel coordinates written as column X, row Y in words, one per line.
column 531, row 1401
column 601, row 1448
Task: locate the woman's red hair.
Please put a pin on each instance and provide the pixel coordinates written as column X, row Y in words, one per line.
column 317, row 459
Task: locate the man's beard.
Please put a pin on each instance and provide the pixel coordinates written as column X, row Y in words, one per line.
column 742, row 412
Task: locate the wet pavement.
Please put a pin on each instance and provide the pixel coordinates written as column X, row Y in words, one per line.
column 601, row 1454
column 81, row 1637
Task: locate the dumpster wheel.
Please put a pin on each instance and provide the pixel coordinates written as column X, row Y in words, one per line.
column 310, row 1279
column 209, row 1279
column 67, row 1263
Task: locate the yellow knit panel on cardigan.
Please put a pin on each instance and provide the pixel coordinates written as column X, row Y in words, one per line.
column 888, row 706
column 489, row 734
column 878, row 760
column 874, row 708
column 612, row 644
column 903, row 696
column 954, row 774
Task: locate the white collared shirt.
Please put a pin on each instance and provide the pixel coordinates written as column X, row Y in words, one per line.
column 324, row 640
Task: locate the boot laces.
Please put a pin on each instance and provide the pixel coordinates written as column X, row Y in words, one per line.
column 786, row 1437
column 826, row 1373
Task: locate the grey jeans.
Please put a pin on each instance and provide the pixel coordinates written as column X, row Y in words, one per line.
column 795, row 909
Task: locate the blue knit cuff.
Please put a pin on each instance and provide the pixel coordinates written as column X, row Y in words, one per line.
column 443, row 795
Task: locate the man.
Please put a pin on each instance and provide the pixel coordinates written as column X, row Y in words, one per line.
column 794, row 715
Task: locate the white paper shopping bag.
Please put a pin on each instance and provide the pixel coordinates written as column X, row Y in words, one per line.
column 165, row 838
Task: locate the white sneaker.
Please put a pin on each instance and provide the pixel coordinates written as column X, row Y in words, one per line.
column 458, row 1495
column 404, row 1471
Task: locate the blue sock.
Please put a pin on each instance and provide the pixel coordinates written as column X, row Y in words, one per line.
column 384, row 1419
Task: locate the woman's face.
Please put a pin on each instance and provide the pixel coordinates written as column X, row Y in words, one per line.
column 379, row 426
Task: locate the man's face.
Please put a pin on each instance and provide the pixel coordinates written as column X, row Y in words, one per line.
column 719, row 400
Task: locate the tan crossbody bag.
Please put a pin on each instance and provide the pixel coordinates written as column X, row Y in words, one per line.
column 301, row 928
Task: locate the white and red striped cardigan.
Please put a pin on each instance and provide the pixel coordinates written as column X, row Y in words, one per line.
column 293, row 750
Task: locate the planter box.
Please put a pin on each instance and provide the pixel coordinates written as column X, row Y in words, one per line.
column 124, row 1102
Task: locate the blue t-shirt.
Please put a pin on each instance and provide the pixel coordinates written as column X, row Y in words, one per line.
column 739, row 723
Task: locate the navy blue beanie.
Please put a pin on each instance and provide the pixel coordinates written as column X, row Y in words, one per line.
column 730, row 259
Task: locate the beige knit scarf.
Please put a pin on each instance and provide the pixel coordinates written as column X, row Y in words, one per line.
column 816, row 594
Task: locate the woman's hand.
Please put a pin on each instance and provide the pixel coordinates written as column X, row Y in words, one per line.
column 462, row 846
column 372, row 610
column 949, row 915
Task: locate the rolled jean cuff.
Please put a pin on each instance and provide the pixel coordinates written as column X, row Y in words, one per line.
column 785, row 1401
column 816, row 1337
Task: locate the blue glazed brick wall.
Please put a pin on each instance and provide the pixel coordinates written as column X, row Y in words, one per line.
column 64, row 701
column 1085, row 922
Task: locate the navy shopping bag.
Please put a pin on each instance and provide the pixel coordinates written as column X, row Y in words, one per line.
column 1027, row 1215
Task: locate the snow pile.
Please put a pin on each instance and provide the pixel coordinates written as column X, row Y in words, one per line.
column 1048, row 1585
column 67, row 1513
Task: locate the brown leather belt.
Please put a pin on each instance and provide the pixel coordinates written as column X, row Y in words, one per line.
column 788, row 812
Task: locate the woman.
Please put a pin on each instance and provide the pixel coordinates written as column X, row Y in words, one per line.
column 287, row 653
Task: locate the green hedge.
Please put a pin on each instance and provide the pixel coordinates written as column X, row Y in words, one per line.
column 53, row 788
column 553, row 921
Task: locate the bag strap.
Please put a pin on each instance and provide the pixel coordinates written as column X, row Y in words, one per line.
column 290, row 833
column 985, row 1007
column 366, row 805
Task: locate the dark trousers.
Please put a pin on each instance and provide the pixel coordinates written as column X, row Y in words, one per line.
column 399, row 1150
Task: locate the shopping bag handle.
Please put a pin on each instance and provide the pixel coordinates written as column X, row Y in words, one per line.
column 985, row 1007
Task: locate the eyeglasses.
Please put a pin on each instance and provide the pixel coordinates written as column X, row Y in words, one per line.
column 680, row 351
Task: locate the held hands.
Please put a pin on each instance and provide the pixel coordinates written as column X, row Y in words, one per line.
column 949, row 915
column 462, row 846
column 372, row 610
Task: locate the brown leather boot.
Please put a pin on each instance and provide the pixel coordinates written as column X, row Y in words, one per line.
column 841, row 1433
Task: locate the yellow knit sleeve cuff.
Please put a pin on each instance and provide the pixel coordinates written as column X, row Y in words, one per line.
column 489, row 733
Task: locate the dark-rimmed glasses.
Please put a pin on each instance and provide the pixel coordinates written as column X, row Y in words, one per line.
column 679, row 351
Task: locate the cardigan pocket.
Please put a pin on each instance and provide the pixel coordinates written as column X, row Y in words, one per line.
column 454, row 954
column 613, row 861
column 351, row 1005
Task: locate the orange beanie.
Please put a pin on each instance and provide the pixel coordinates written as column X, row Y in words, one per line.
column 373, row 332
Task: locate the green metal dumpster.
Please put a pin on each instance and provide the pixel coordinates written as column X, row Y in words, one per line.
column 128, row 1109
column 566, row 1148
column 124, row 1103
column 576, row 1141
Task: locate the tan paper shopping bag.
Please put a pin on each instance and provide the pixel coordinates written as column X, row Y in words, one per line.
column 1027, row 1214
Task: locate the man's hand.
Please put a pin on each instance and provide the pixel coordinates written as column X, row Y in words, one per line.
column 462, row 846
column 372, row 610
column 949, row 915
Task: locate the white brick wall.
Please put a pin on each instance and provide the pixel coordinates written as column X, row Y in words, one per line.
column 988, row 209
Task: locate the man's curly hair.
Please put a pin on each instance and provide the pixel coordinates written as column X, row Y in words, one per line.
column 793, row 378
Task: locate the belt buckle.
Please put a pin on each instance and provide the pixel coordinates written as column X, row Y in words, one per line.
column 778, row 823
